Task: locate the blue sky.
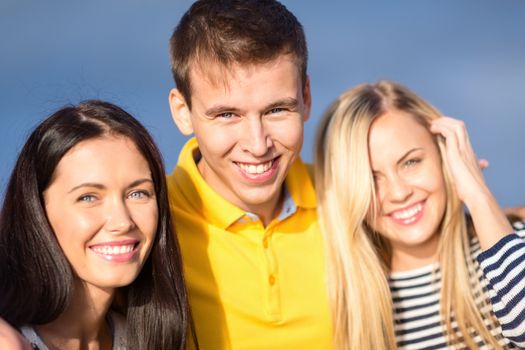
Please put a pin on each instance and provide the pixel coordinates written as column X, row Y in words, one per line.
column 465, row 57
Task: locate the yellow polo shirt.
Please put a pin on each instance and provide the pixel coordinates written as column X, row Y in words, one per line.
column 251, row 287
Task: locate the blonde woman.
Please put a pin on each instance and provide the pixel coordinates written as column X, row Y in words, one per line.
column 393, row 177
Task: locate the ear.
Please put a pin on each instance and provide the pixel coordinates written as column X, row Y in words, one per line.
column 307, row 99
column 180, row 112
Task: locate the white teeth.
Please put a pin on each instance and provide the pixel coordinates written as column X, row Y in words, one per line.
column 256, row 169
column 407, row 213
column 113, row 250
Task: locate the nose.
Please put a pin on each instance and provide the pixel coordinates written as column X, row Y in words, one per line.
column 399, row 190
column 118, row 218
column 257, row 141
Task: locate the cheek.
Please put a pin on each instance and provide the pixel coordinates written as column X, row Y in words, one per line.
column 288, row 133
column 373, row 216
column 216, row 140
column 441, row 194
column 74, row 230
column 379, row 197
column 433, row 183
column 146, row 219
column 376, row 207
column 433, row 180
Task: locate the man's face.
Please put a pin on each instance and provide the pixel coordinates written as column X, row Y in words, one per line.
column 249, row 128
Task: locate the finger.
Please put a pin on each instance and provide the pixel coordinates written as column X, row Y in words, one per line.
column 483, row 164
column 445, row 129
column 454, row 126
column 460, row 130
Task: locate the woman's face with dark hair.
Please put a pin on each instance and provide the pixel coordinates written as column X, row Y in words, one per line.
column 102, row 207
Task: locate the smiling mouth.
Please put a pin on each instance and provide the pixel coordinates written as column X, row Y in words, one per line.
column 408, row 215
column 118, row 252
column 254, row 169
column 114, row 250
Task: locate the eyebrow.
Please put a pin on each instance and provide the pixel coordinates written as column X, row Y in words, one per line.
column 220, row 109
column 101, row 187
column 408, row 154
column 87, row 184
column 288, row 102
column 140, row 182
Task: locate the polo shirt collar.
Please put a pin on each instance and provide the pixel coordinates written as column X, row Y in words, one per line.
column 300, row 186
column 213, row 207
column 288, row 209
column 299, row 191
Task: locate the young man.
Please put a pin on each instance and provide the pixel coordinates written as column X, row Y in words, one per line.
column 243, row 202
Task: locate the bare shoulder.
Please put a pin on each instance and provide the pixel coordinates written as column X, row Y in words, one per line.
column 11, row 339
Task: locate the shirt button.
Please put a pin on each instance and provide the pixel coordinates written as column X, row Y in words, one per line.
column 271, row 280
column 265, row 243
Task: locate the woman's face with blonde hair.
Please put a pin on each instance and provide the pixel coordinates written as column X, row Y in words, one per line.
column 410, row 188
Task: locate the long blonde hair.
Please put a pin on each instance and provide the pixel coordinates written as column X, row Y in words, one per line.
column 358, row 258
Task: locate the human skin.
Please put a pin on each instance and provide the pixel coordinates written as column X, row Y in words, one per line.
column 490, row 221
column 410, row 188
column 102, row 207
column 11, row 339
column 249, row 127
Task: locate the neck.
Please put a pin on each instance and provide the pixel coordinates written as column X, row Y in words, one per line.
column 267, row 211
column 83, row 324
column 405, row 258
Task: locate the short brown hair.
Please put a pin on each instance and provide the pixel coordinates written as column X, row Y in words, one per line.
column 234, row 31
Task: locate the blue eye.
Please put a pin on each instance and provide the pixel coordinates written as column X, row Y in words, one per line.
column 275, row 110
column 411, row 162
column 139, row 195
column 225, row 115
column 88, row 198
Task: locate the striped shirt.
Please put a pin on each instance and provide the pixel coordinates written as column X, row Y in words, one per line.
column 501, row 270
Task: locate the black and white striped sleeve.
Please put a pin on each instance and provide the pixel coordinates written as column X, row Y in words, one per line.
column 504, row 268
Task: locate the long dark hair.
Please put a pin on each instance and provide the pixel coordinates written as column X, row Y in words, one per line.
column 35, row 276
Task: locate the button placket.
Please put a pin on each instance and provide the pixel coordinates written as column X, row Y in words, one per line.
column 272, row 280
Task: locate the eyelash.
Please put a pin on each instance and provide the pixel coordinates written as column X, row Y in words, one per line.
column 226, row 115
column 275, row 110
column 229, row 115
column 87, row 198
column 142, row 193
column 90, row 198
column 412, row 162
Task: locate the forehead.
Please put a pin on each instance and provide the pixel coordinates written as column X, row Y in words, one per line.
column 112, row 154
column 396, row 131
column 206, row 73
